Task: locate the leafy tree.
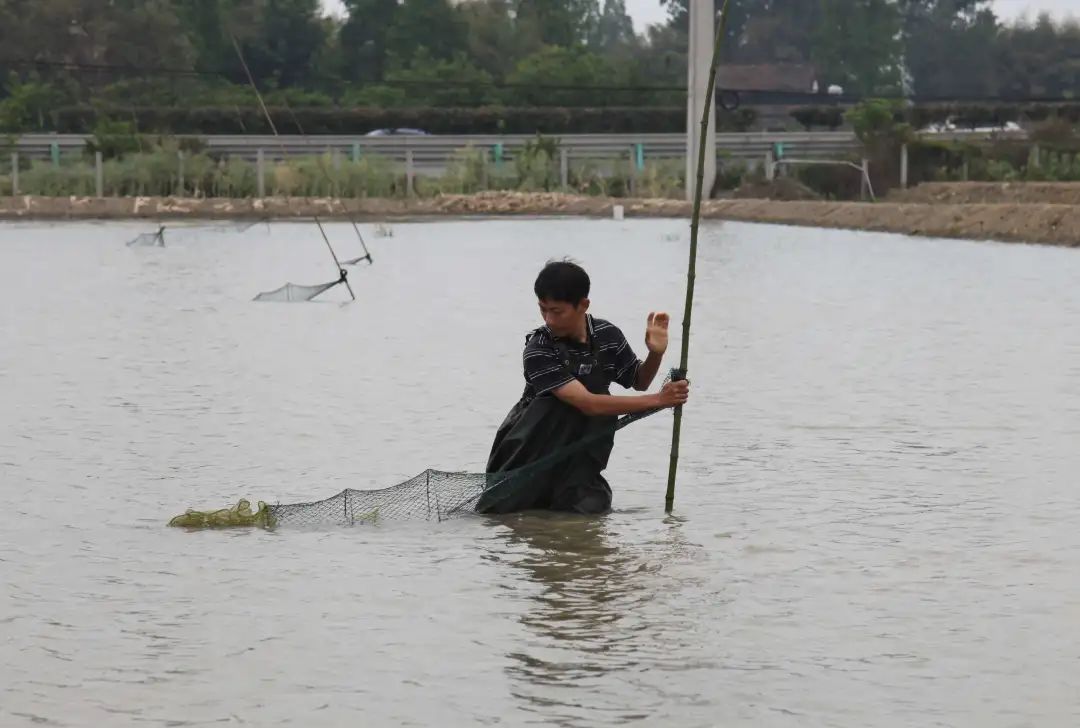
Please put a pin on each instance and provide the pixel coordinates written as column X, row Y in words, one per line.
column 565, row 67
column 448, row 82
column 491, row 36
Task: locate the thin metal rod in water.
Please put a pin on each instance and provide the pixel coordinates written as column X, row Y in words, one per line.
column 676, row 429
column 269, row 120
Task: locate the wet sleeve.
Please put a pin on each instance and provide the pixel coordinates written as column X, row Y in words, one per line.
column 544, row 369
column 626, row 361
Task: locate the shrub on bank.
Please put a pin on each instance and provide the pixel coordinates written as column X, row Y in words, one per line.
column 161, row 173
column 235, row 119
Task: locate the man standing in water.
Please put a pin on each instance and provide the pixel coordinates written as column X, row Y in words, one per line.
column 570, row 363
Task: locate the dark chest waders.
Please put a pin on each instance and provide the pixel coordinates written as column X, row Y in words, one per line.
column 539, row 427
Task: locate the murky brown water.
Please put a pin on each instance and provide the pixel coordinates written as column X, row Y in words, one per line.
column 875, row 522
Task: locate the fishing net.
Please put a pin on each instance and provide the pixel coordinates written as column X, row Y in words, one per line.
column 156, row 239
column 291, row 292
column 226, row 227
column 433, row 495
column 148, row 240
column 354, row 261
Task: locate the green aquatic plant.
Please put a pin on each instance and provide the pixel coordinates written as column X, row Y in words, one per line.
column 239, row 515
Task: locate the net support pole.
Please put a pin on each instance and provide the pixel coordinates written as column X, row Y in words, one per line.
column 335, row 164
column 14, row 174
column 260, row 173
column 410, row 173
column 99, row 175
column 669, row 498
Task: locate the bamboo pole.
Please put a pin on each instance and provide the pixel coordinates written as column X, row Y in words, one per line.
column 669, row 498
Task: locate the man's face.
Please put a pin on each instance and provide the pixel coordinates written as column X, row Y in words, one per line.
column 562, row 318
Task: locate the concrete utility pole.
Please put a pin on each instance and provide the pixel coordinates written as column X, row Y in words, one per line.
column 702, row 37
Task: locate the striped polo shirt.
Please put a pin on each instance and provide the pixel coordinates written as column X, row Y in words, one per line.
column 544, row 368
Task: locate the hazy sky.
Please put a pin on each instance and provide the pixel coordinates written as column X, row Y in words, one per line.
column 650, row 11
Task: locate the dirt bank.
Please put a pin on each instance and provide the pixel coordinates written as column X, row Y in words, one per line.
column 1053, row 224
column 995, row 193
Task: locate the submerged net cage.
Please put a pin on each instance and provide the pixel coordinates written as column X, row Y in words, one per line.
column 433, row 495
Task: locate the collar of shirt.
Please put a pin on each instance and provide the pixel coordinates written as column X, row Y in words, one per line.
column 590, row 331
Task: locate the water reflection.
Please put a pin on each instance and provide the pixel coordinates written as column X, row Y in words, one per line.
column 589, row 616
column 575, row 621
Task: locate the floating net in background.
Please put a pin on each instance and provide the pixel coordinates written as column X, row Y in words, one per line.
column 433, row 495
column 156, row 239
column 291, row 292
column 226, row 227
column 354, row 261
column 148, row 240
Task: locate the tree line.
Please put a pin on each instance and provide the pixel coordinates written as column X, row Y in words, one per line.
column 511, row 53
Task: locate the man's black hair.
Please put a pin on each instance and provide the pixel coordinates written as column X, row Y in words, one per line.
column 563, row 281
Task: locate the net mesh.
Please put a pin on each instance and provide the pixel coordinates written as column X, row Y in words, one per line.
column 433, row 495
column 225, row 227
column 157, row 239
column 148, row 240
column 291, row 292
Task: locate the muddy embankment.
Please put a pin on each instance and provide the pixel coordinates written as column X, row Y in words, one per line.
column 1029, row 213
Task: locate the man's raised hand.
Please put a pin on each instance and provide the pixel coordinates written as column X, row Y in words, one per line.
column 656, row 332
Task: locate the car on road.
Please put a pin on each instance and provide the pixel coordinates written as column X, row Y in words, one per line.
column 402, row 131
